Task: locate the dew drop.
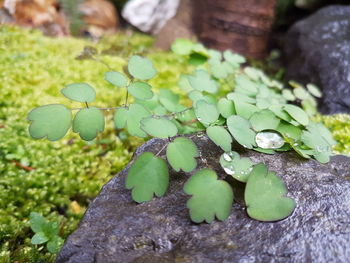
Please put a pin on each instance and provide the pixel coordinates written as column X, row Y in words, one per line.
column 227, row 157
column 229, row 171
column 269, row 140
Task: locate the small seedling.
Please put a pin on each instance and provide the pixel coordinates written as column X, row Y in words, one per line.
column 45, row 232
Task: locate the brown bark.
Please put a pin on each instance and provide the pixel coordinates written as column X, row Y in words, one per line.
column 240, row 25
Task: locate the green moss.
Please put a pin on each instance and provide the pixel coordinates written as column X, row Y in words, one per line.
column 339, row 124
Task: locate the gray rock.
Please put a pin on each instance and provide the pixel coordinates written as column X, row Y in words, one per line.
column 116, row 229
column 318, row 50
column 149, row 15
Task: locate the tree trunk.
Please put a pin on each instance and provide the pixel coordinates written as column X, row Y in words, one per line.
column 240, row 25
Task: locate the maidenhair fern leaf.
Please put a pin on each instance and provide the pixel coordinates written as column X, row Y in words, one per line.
column 51, row 121
column 141, row 68
column 88, row 122
column 181, row 154
column 264, row 196
column 147, row 176
column 159, row 127
column 81, row 92
column 210, row 197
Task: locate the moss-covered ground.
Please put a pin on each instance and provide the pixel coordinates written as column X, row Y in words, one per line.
column 59, row 179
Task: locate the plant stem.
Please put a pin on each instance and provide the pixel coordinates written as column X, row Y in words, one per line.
column 101, row 61
column 165, row 145
column 126, row 98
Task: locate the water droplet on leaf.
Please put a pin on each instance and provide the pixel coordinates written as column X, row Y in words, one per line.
column 269, row 140
column 227, row 157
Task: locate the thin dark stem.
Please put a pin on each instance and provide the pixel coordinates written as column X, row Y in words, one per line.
column 176, row 113
column 87, row 105
column 126, row 98
column 102, row 62
column 165, row 145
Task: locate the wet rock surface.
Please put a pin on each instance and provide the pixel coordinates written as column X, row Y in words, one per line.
column 318, row 51
column 116, row 229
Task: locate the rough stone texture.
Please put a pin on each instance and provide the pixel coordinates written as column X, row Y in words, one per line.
column 318, row 50
column 116, row 229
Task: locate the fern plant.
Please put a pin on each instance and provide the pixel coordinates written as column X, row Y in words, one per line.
column 253, row 110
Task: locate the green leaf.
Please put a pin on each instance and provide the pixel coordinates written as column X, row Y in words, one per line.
column 264, row 196
column 39, row 238
column 297, row 114
column 81, row 92
column 220, row 136
column 201, row 81
column 140, row 90
column 182, row 46
column 88, row 122
column 170, row 100
column 131, row 118
column 244, row 109
column 314, row 90
column 240, row 97
column 301, row 93
column 241, row 130
column 309, row 106
column 264, row 120
column 121, row 117
column 148, row 175
column 54, row 245
column 238, row 168
column 184, row 84
column 245, row 86
column 320, row 140
column 280, row 113
column 206, row 113
column 214, row 55
column 197, row 59
column 234, row 59
column 51, row 121
column 52, row 229
column 253, row 73
column 262, row 150
column 221, row 70
column 159, row 127
column 181, row 154
column 323, row 131
column 288, row 95
column 295, row 84
column 153, row 105
column 226, row 107
column 210, row 197
column 37, row 222
column 243, row 105
column 141, row 68
column 289, row 130
column 117, row 79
